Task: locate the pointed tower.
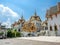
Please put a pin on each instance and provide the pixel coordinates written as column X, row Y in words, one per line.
column 22, row 17
column 35, row 17
column 22, row 20
column 35, row 13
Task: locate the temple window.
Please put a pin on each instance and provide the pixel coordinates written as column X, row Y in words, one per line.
column 50, row 28
column 19, row 30
column 46, row 23
column 37, row 24
column 55, row 27
column 46, row 28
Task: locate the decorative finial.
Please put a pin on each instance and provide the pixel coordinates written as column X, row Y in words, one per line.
column 22, row 16
column 35, row 13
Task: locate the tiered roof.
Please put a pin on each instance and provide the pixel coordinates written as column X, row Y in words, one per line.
column 35, row 17
column 53, row 10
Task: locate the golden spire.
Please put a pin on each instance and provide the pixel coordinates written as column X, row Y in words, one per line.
column 35, row 13
column 22, row 16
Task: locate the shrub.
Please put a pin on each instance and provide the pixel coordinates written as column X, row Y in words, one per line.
column 1, row 33
column 11, row 34
column 18, row 34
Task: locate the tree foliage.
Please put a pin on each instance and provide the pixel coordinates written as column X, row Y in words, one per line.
column 13, row 33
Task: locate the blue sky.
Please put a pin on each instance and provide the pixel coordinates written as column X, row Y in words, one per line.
column 27, row 7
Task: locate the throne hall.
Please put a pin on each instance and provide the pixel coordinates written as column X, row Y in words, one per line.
column 32, row 27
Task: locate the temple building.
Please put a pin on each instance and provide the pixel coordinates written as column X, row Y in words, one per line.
column 32, row 27
column 36, row 20
column 53, row 20
column 28, row 29
column 45, row 28
column 18, row 25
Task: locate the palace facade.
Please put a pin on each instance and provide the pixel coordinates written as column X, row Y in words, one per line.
column 35, row 27
column 53, row 20
column 32, row 27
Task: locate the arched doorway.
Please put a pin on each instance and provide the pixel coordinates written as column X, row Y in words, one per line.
column 50, row 28
column 55, row 28
column 19, row 30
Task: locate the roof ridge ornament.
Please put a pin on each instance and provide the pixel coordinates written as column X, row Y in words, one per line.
column 35, row 13
column 22, row 16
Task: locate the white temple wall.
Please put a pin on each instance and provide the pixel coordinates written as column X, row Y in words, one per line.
column 52, row 22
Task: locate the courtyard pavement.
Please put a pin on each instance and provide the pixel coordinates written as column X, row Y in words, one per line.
column 42, row 40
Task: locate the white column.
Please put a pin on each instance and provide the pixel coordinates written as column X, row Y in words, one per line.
column 48, row 30
column 53, row 32
column 58, row 31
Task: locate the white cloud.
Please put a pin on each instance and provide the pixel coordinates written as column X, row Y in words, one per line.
column 6, row 11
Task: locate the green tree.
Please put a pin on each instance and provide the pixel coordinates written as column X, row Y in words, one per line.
column 13, row 33
column 1, row 33
column 18, row 34
column 9, row 33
